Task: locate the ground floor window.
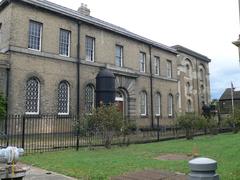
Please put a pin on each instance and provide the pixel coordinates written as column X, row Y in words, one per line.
column 32, row 96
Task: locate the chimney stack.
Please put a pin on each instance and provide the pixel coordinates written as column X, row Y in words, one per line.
column 84, row 10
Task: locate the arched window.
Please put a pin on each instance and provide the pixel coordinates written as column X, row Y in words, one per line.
column 63, row 98
column 201, row 75
column 189, row 106
column 187, row 70
column 157, row 104
column 202, row 89
column 188, row 88
column 32, row 96
column 170, row 105
column 143, row 103
column 89, row 98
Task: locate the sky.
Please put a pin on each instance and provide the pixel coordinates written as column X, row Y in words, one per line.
column 205, row 26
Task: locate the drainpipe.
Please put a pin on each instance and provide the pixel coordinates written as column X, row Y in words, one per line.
column 7, row 99
column 151, row 85
column 78, row 70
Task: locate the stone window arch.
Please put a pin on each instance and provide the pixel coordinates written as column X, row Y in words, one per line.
column 32, row 96
column 89, row 98
column 63, row 98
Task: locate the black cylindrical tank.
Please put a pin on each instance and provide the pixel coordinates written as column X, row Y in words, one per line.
column 105, row 87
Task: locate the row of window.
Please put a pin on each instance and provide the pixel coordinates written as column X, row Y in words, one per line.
column 34, row 42
column 33, row 97
column 157, row 99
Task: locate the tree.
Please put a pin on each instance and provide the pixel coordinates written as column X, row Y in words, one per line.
column 234, row 120
column 190, row 122
column 3, row 104
column 107, row 120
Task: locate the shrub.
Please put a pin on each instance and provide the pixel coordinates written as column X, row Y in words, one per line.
column 190, row 122
column 234, row 120
column 3, row 104
column 107, row 120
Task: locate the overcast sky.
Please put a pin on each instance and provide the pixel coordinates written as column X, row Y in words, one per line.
column 205, row 26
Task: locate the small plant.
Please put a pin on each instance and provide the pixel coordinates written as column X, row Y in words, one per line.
column 3, row 104
column 234, row 120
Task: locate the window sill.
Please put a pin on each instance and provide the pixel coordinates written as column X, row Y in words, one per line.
column 38, row 50
column 143, row 116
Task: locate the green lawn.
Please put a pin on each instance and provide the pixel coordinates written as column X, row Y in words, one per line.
column 101, row 163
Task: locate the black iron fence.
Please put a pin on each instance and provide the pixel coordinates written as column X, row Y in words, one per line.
column 51, row 132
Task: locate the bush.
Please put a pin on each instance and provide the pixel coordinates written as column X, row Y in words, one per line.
column 233, row 120
column 3, row 104
column 107, row 120
column 190, row 122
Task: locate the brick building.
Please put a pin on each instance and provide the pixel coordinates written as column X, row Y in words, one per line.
column 51, row 55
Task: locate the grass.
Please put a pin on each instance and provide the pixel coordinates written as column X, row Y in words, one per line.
column 102, row 164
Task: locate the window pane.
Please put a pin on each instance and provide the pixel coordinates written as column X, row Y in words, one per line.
column 34, row 36
column 64, row 42
column 89, row 101
column 89, row 48
column 63, row 98
column 169, row 69
column 157, row 104
column 157, row 65
column 143, row 103
column 170, row 105
column 118, row 56
column 32, row 96
column 142, row 61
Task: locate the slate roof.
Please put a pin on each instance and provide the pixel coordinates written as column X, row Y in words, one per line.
column 183, row 49
column 91, row 20
column 227, row 95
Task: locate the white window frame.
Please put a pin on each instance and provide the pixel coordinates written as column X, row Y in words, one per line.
column 38, row 102
column 121, row 55
column 169, row 69
column 40, row 42
column 93, row 49
column 68, row 100
column 69, row 43
column 142, row 58
column 156, row 65
column 143, row 93
column 158, row 100
column 170, row 105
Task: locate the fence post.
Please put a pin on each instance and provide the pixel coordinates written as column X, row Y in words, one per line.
column 23, row 130
column 158, row 129
column 6, row 128
column 78, row 131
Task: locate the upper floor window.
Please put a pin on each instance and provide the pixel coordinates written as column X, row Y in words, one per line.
column 143, row 103
column 119, row 56
column 157, row 104
column 63, row 98
column 64, row 42
column 142, row 62
column 35, row 35
column 188, row 70
column 201, row 75
column 90, row 48
column 170, row 105
column 32, row 96
column 169, row 69
column 89, row 99
column 157, row 65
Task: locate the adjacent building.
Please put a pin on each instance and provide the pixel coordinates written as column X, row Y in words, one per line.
column 51, row 55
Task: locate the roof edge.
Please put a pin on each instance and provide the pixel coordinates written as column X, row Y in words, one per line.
column 183, row 49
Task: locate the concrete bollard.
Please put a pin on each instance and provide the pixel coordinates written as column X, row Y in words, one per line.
column 203, row 169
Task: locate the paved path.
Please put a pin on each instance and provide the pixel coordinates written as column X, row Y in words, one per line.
column 151, row 175
column 40, row 174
